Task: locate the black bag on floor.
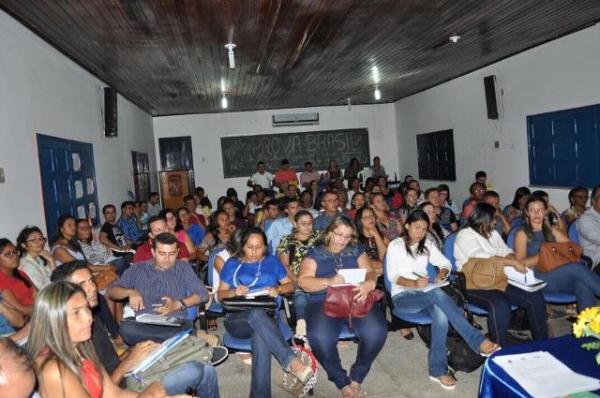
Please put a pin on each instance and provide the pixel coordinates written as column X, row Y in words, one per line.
column 460, row 356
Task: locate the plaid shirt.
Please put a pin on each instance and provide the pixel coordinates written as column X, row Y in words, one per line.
column 129, row 228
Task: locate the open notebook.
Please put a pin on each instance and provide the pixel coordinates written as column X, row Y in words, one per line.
column 526, row 281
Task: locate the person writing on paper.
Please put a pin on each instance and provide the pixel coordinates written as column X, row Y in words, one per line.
column 254, row 270
column 480, row 242
column 406, row 268
column 61, row 347
column 337, row 250
column 163, row 286
column 201, row 377
column 573, row 278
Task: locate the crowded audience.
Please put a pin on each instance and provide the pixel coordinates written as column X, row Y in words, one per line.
column 89, row 303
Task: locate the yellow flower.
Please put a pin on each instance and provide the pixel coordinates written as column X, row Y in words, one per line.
column 595, row 325
column 589, row 313
column 588, row 321
column 578, row 329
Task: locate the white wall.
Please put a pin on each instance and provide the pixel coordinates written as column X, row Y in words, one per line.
column 42, row 91
column 558, row 75
column 206, row 130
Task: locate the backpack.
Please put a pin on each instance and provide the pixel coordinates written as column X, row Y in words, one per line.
column 460, row 356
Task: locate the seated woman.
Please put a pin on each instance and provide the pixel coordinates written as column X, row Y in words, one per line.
column 515, row 209
column 374, row 244
column 291, row 251
column 389, row 224
column 35, row 261
column 61, row 347
column 574, row 278
column 180, row 233
column 357, row 202
column 319, row 268
column 195, row 231
column 407, row 259
column 479, row 240
column 95, row 252
column 578, row 199
column 15, row 281
column 436, row 234
column 220, row 230
column 410, row 203
column 445, row 198
column 254, row 269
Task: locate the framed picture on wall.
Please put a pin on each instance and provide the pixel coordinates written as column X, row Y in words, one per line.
column 175, row 185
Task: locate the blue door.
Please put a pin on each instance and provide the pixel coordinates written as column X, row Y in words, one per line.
column 68, row 180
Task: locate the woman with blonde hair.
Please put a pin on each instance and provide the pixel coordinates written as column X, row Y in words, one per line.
column 61, row 347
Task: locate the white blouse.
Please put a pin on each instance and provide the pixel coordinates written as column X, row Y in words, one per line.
column 399, row 263
column 470, row 244
column 36, row 271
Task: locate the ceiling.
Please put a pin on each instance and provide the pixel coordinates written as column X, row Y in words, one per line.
column 168, row 56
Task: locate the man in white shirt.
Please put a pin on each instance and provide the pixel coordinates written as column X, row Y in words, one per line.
column 262, row 177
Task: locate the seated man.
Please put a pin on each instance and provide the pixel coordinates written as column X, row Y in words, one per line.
column 329, row 205
column 286, row 175
column 282, row 226
column 128, row 223
column 195, row 375
column 588, row 227
column 163, row 286
column 308, row 175
column 156, row 226
column 17, row 379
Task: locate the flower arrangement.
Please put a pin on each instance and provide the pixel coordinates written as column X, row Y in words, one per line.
column 588, row 325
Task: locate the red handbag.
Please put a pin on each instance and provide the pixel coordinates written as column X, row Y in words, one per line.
column 340, row 303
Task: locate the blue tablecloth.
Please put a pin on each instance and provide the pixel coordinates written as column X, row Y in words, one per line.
column 496, row 383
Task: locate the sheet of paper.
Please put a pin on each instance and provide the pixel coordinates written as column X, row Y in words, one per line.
column 257, row 293
column 353, row 276
column 427, row 288
column 544, row 376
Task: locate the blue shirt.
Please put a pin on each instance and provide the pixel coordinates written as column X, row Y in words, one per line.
column 129, row 228
column 196, row 233
column 153, row 283
column 328, row 263
column 277, row 230
column 256, row 276
column 322, row 222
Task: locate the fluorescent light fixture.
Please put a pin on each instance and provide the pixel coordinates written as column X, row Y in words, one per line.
column 375, row 72
column 377, row 94
column 454, row 38
column 231, row 55
column 224, row 103
column 223, row 85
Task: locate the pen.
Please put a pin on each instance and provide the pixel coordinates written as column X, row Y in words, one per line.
column 419, row 275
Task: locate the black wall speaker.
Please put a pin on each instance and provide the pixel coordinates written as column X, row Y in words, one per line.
column 489, row 82
column 110, row 112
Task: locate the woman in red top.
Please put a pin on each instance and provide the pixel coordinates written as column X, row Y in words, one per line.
column 60, row 343
column 14, row 280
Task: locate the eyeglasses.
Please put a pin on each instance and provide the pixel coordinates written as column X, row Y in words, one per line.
column 10, row 253
column 37, row 240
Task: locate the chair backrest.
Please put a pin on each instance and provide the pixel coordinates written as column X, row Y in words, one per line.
column 573, row 233
column 510, row 239
column 212, row 256
column 449, row 249
column 516, row 222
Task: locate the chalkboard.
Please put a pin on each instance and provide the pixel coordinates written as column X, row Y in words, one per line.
column 435, row 153
column 241, row 153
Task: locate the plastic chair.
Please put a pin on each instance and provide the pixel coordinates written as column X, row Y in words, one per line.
column 517, row 222
column 417, row 318
column 215, row 307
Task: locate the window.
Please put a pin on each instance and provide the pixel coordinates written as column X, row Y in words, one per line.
column 435, row 153
column 563, row 147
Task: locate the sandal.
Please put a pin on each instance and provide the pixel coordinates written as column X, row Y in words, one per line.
column 407, row 336
column 444, row 382
column 494, row 348
column 212, row 325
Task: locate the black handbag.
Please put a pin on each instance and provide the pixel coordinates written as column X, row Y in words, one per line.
column 239, row 304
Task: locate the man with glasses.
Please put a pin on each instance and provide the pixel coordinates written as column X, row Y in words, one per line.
column 588, row 227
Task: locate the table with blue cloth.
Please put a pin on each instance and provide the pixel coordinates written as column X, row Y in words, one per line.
column 496, row 383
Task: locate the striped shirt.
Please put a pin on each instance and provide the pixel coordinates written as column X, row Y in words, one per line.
column 153, row 283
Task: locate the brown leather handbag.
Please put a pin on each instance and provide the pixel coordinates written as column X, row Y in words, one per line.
column 340, row 303
column 556, row 254
column 485, row 273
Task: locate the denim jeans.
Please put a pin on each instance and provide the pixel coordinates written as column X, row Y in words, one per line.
column 442, row 310
column 300, row 303
column 497, row 304
column 323, row 333
column 266, row 340
column 134, row 332
column 198, row 376
column 574, row 278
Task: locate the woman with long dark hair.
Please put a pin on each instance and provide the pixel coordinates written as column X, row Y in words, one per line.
column 407, row 261
column 515, row 209
column 14, row 280
column 35, row 261
column 478, row 241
